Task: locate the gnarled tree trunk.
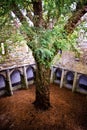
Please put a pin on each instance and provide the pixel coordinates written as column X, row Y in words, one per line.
column 42, row 100
column 42, row 83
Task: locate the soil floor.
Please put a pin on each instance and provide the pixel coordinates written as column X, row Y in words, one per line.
column 68, row 111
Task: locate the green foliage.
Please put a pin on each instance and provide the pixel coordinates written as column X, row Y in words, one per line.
column 44, row 56
column 42, row 46
column 0, row 50
column 60, row 38
column 46, row 43
column 52, row 9
column 6, row 28
column 16, row 37
column 82, row 26
column 72, row 39
column 6, row 5
column 9, row 31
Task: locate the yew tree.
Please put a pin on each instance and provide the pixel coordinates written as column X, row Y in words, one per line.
column 42, row 37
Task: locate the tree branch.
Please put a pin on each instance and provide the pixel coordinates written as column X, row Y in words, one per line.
column 17, row 12
column 73, row 20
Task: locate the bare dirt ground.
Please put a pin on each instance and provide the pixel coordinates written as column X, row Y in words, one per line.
column 68, row 111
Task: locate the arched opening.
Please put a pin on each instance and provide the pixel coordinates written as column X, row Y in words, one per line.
column 30, row 74
column 83, row 82
column 2, row 82
column 58, row 73
column 69, row 78
column 15, row 78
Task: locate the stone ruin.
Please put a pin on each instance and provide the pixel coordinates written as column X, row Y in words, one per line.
column 18, row 67
column 17, row 54
column 17, row 70
column 69, row 71
column 82, row 40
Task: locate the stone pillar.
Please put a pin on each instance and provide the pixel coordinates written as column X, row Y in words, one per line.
column 52, row 75
column 74, row 82
column 9, row 84
column 25, row 77
column 62, row 78
column 3, row 49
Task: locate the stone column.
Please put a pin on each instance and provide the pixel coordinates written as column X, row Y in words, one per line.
column 3, row 49
column 62, row 78
column 25, row 77
column 74, row 82
column 52, row 75
column 9, row 84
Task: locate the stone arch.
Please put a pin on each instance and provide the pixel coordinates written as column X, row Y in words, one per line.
column 18, row 69
column 15, row 77
column 69, row 77
column 30, row 73
column 82, row 81
column 58, row 73
column 2, row 82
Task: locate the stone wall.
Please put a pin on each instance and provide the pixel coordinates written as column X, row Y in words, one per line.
column 17, row 61
column 82, row 40
column 83, row 48
column 68, row 61
column 17, row 54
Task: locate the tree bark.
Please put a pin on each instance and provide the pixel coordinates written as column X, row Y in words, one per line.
column 42, row 84
column 42, row 100
column 37, row 8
